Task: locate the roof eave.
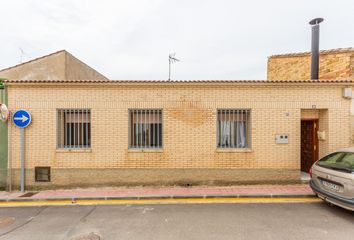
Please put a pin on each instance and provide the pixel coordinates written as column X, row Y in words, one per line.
column 180, row 83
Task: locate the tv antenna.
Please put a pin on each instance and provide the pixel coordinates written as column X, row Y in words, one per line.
column 171, row 59
column 21, row 54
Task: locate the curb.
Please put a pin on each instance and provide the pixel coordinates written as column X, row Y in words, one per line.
column 178, row 197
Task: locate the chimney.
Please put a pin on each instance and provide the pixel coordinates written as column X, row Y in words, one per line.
column 315, row 52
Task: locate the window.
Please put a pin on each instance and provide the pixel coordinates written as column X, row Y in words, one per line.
column 145, row 128
column 341, row 161
column 74, row 128
column 233, row 128
column 42, row 174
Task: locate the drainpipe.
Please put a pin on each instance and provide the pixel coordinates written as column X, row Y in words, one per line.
column 315, row 43
column 3, row 140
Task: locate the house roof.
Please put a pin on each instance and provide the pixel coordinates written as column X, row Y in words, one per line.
column 33, row 60
column 49, row 67
column 177, row 82
column 329, row 51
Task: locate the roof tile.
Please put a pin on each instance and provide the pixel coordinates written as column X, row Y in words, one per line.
column 174, row 81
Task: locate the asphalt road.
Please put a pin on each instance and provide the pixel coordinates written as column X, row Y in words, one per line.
column 179, row 221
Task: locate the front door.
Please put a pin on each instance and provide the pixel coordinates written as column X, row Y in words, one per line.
column 309, row 144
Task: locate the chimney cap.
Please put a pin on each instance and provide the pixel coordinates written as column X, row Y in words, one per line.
column 316, row 21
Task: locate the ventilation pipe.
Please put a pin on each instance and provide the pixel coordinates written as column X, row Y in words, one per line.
column 315, row 42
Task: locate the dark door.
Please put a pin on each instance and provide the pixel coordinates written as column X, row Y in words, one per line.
column 309, row 144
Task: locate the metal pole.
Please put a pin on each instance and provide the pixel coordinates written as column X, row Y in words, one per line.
column 9, row 160
column 169, row 69
column 315, row 39
column 22, row 159
column 315, row 51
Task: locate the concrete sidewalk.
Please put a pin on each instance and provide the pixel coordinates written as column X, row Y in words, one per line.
column 267, row 191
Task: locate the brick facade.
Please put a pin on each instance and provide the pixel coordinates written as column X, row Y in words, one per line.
column 334, row 64
column 190, row 154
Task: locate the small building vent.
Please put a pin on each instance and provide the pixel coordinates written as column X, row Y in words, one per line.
column 42, row 174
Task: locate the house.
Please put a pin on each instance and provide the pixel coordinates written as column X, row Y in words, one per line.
column 99, row 132
column 58, row 65
column 106, row 132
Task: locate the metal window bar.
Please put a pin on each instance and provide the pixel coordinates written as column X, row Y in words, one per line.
column 82, row 129
column 69, row 128
column 73, row 128
column 86, row 135
column 145, row 128
column 237, row 127
column 229, row 128
column 229, row 123
column 246, row 130
column 57, row 130
column 158, row 130
column 141, row 129
column 153, row 132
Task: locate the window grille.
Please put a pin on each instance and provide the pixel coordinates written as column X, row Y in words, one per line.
column 233, row 128
column 74, row 128
column 145, row 128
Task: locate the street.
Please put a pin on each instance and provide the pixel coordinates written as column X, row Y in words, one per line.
column 178, row 221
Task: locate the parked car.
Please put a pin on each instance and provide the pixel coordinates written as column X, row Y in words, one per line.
column 332, row 178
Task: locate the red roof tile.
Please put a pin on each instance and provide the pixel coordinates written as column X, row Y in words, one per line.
column 175, row 81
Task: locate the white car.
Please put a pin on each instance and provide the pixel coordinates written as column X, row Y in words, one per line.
column 332, row 178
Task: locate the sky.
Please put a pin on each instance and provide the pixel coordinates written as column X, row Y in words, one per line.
column 131, row 39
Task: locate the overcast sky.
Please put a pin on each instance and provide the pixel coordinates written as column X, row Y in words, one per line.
column 214, row 39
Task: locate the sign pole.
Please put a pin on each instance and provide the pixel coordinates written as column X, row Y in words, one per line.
column 22, row 118
column 22, row 159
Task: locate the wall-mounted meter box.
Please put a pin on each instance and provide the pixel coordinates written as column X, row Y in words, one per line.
column 281, row 138
column 321, row 135
column 348, row 92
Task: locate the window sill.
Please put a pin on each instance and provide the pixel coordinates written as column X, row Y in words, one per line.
column 234, row 150
column 132, row 150
column 73, row 150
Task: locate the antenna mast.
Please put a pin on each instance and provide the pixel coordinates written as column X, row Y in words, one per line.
column 171, row 59
column 21, row 54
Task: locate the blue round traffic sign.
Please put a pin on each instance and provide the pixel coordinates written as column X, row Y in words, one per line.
column 21, row 118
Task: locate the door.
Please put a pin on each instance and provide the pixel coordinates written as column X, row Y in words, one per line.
column 309, row 144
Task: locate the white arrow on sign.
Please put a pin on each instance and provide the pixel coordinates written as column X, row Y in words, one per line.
column 23, row 118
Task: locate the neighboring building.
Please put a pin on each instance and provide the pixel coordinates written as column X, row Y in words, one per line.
column 90, row 133
column 59, row 65
column 334, row 64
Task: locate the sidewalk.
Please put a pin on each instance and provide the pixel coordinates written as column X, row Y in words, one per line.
column 267, row 191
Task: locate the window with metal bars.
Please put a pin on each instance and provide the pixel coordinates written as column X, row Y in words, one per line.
column 145, row 128
column 233, row 128
column 74, row 128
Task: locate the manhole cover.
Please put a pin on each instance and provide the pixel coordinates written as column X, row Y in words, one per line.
column 88, row 236
column 6, row 221
column 29, row 194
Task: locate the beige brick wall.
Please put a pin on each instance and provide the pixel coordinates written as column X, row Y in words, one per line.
column 189, row 117
column 333, row 65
